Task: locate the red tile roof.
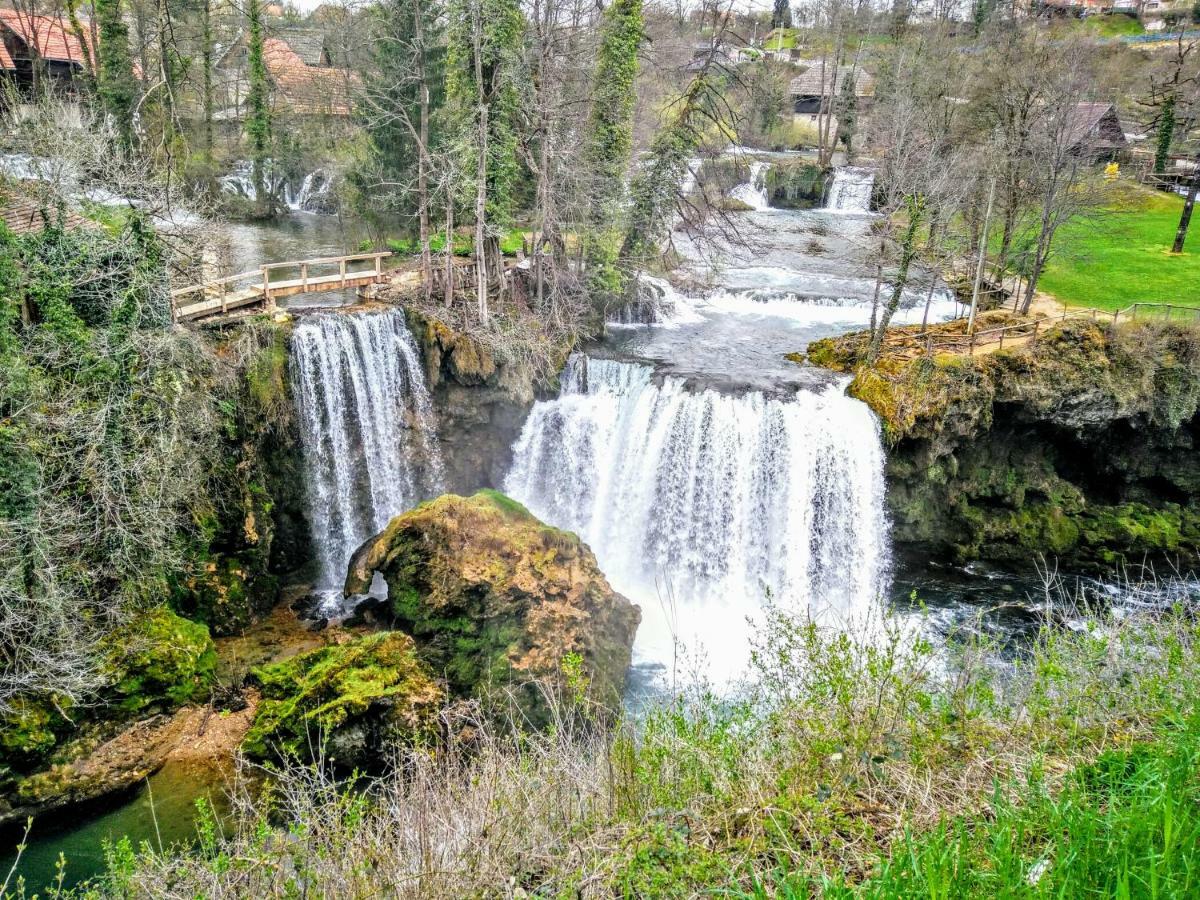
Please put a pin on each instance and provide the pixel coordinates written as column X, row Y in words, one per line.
column 6, row 60
column 50, row 36
column 308, row 90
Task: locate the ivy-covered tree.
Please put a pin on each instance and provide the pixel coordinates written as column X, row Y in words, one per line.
column 115, row 85
column 403, row 92
column 482, row 73
column 610, row 140
column 258, row 118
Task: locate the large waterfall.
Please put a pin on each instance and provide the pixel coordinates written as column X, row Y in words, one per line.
column 700, row 504
column 366, row 426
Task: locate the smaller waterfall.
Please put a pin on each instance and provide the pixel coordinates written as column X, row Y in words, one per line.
column 754, row 191
column 851, row 190
column 366, row 429
column 657, row 303
column 313, row 194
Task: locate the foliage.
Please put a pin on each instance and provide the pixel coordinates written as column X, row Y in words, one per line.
column 501, row 27
column 258, row 120
column 873, row 765
column 610, row 141
column 115, row 84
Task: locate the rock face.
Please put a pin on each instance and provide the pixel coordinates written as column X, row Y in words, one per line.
column 481, row 402
column 360, row 697
column 1082, row 446
column 493, row 597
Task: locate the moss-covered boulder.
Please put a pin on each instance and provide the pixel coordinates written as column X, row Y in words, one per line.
column 354, row 699
column 158, row 661
column 496, row 598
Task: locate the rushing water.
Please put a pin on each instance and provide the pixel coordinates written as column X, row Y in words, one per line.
column 366, row 425
column 850, row 191
column 754, row 191
column 717, row 500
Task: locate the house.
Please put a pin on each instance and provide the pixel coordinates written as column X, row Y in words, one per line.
column 810, row 91
column 1094, row 131
column 35, row 47
column 304, row 80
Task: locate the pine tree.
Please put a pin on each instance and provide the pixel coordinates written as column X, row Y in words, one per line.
column 258, row 121
column 781, row 14
column 115, row 84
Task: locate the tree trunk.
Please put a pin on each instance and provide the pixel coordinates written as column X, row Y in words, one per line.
column 1185, row 218
column 908, row 251
column 423, row 154
column 481, row 279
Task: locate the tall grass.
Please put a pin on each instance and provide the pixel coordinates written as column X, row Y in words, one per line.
column 863, row 764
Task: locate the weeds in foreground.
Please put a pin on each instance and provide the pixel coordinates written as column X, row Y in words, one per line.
column 873, row 766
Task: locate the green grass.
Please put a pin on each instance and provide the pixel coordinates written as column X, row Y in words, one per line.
column 1126, row 825
column 463, row 244
column 780, row 39
column 1111, row 26
column 1123, row 256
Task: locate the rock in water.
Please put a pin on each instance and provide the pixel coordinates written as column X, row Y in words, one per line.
column 357, row 699
column 494, row 597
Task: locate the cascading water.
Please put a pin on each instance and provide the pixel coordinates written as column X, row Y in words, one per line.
column 717, row 500
column 851, row 189
column 754, row 191
column 366, row 427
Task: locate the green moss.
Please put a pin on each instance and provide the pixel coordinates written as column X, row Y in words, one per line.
column 30, row 729
column 321, row 692
column 158, row 660
column 504, row 503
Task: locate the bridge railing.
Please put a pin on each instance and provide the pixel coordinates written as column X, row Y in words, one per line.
column 259, row 285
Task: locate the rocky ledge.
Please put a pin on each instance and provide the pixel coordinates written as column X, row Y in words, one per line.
column 495, row 599
column 1080, row 446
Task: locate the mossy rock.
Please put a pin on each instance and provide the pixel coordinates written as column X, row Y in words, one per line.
column 227, row 593
column 495, row 598
column 357, row 699
column 31, row 729
column 158, row 661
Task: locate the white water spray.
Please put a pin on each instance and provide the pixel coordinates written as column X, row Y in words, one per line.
column 753, row 192
column 366, row 426
column 851, row 189
column 715, row 500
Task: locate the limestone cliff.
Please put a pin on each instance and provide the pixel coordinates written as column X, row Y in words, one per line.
column 495, row 598
column 1080, row 446
column 481, row 401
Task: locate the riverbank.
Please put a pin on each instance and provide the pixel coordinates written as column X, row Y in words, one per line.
column 855, row 770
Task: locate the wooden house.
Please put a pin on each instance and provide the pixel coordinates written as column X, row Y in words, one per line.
column 37, row 48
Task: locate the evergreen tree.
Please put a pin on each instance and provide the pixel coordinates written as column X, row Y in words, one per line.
column 781, row 14
column 258, row 121
column 115, row 84
column 610, row 139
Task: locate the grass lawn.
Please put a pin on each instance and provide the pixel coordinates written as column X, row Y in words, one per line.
column 1111, row 26
column 780, row 39
column 1124, row 256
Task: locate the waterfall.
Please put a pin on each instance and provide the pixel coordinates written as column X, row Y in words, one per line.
column 754, row 191
column 720, row 499
column 366, row 428
column 851, row 190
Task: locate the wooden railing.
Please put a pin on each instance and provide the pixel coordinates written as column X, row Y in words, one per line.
column 968, row 343
column 223, row 295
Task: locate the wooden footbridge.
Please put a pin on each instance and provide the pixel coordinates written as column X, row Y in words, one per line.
column 261, row 287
